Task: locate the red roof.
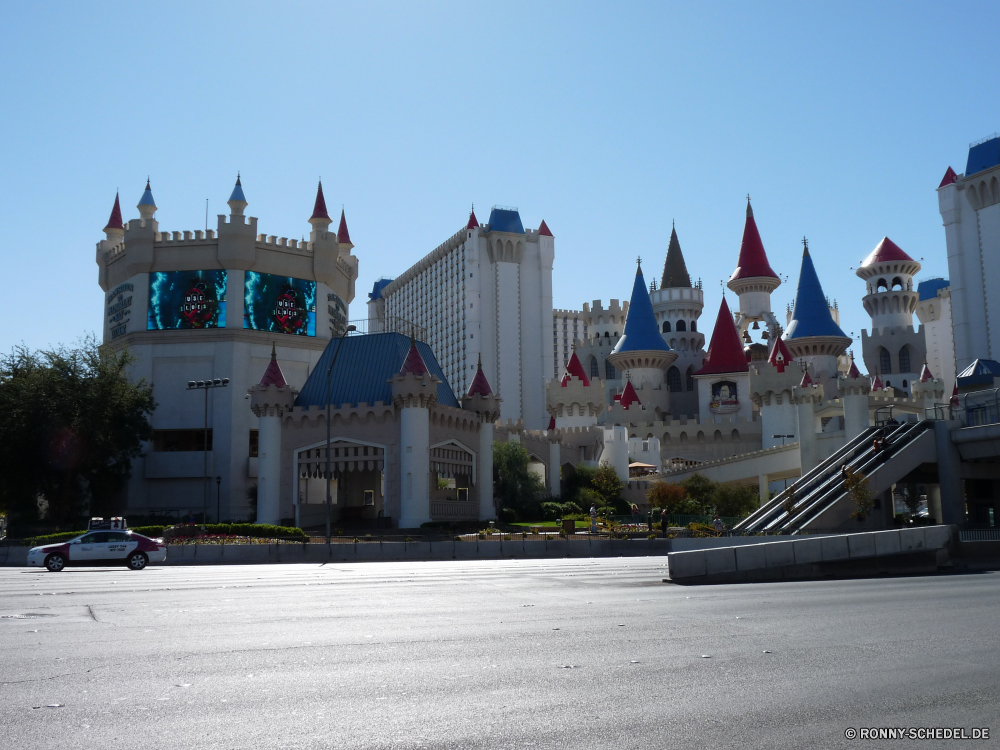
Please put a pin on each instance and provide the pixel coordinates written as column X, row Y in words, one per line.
column 272, row 375
column 414, row 363
column 543, row 230
column 780, row 356
column 342, row 235
column 479, row 383
column 954, row 395
column 552, row 423
column 725, row 351
column 473, row 222
column 949, row 178
column 925, row 374
column 854, row 372
column 629, row 396
column 319, row 209
column 877, row 383
column 574, row 369
column 806, row 380
column 886, row 251
column 753, row 259
column 115, row 222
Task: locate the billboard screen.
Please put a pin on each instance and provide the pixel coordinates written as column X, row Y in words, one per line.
column 279, row 304
column 186, row 299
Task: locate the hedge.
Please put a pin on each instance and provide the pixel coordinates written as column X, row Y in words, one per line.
column 227, row 529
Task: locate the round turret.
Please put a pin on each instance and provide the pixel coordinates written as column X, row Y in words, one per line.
column 146, row 205
column 237, row 201
column 891, row 297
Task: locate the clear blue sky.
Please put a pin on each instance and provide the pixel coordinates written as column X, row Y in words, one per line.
column 607, row 120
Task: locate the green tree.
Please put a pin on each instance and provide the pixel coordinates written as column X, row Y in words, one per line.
column 576, row 483
column 666, row 495
column 860, row 492
column 515, row 486
column 71, row 421
column 735, row 501
column 609, row 487
column 700, row 490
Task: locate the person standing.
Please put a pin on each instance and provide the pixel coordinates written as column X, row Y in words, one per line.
column 663, row 522
column 718, row 525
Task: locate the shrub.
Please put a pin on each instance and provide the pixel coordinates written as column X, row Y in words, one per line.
column 252, row 530
column 666, row 495
column 508, row 515
column 551, row 511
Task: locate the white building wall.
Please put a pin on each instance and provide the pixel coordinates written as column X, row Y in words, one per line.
column 936, row 324
column 567, row 327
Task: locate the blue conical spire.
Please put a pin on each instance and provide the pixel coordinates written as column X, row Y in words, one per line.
column 238, row 191
column 641, row 331
column 811, row 313
column 147, row 197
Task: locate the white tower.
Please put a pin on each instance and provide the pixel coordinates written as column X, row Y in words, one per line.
column 414, row 392
column 481, row 400
column 269, row 400
column 753, row 281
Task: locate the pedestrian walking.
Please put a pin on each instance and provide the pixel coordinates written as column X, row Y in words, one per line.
column 718, row 525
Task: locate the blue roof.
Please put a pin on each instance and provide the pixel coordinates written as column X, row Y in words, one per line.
column 929, row 289
column 147, row 197
column 237, row 192
column 980, row 372
column 641, row 332
column 376, row 292
column 983, row 156
column 363, row 368
column 505, row 220
column 811, row 314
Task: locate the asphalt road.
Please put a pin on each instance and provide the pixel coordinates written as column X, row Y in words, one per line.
column 511, row 654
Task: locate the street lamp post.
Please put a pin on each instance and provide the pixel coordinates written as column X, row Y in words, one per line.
column 194, row 385
column 329, row 375
column 783, row 445
column 218, row 499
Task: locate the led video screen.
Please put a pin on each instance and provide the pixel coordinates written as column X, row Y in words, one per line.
column 279, row 304
column 186, row 299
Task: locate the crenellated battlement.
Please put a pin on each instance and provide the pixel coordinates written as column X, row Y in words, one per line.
column 767, row 384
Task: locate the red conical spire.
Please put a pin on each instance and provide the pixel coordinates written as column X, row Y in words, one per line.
column 854, row 372
column 753, row 260
column 954, row 395
column 886, row 250
column 780, row 356
column 543, row 230
column 806, row 380
column 925, row 374
column 629, row 396
column 479, row 383
column 473, row 222
column 115, row 222
column 725, row 352
column 343, row 237
column 949, row 178
column 273, row 375
column 877, row 383
column 552, row 423
column 414, row 363
column 319, row 209
column 574, row 369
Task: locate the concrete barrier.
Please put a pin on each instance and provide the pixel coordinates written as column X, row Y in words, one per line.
column 866, row 553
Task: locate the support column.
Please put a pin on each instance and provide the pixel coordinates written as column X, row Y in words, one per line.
column 762, row 488
column 808, row 449
column 487, row 510
column 269, row 467
column 949, row 467
column 555, row 473
column 414, row 466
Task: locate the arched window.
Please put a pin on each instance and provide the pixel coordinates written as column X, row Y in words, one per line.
column 884, row 361
column 674, row 380
column 606, row 335
column 690, row 378
column 904, row 359
column 593, row 366
column 666, row 326
column 609, row 371
column 681, row 325
column 694, row 326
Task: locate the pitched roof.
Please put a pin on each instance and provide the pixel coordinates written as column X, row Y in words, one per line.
column 980, row 372
column 983, row 156
column 629, row 396
column 675, row 273
column 147, row 197
column 479, row 383
column 115, row 222
column 854, row 372
column 273, row 375
column 806, row 380
column 954, row 395
column 810, row 314
column 886, row 251
column 543, row 229
column 343, row 237
column 925, row 374
column 363, row 370
column 877, row 383
column 319, row 207
column 641, row 332
column 574, row 369
column 725, row 351
column 473, row 222
column 753, row 260
column 949, row 178
column 506, row 220
column 929, row 289
column 238, row 191
column 377, row 287
column 780, row 356
column 414, row 363
column 552, row 423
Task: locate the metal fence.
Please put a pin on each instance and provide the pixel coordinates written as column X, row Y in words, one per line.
column 979, row 535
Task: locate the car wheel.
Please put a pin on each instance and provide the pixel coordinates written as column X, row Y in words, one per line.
column 55, row 562
column 137, row 560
